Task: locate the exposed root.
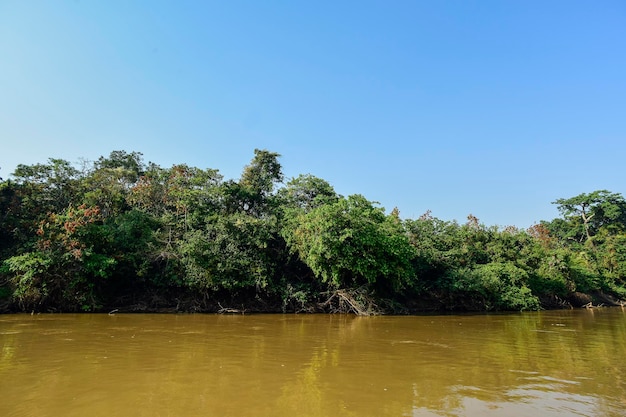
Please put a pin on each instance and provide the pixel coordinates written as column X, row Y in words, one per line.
column 555, row 302
column 590, row 305
column 356, row 301
column 225, row 310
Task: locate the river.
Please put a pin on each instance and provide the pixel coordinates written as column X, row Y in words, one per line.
column 551, row 363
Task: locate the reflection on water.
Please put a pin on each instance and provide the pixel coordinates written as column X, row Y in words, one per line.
column 564, row 363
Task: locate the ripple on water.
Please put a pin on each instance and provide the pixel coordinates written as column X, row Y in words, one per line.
column 525, row 401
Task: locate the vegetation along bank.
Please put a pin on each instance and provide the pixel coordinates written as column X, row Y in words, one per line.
column 122, row 234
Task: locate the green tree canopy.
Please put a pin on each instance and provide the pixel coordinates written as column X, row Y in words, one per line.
column 351, row 242
column 588, row 213
column 307, row 192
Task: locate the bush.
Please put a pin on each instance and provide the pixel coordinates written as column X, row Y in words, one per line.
column 496, row 286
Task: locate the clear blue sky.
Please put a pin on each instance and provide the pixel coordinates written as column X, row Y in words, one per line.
column 494, row 108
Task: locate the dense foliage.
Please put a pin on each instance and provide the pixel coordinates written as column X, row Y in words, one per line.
column 119, row 233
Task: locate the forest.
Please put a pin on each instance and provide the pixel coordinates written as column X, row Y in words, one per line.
column 119, row 234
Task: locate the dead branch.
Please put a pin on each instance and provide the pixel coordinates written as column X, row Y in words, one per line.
column 356, row 301
column 226, row 310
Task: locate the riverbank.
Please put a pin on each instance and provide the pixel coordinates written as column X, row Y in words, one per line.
column 338, row 302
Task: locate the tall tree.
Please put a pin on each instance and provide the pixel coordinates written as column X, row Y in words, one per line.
column 129, row 164
column 111, row 180
column 258, row 182
column 49, row 187
column 590, row 212
column 307, row 192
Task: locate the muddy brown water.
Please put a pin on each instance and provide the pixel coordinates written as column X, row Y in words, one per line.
column 555, row 363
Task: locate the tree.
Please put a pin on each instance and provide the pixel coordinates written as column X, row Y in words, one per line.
column 349, row 243
column 111, row 180
column 230, row 253
column 63, row 270
column 257, row 183
column 437, row 244
column 262, row 173
column 590, row 212
column 48, row 187
column 495, row 285
column 10, row 217
column 130, row 164
column 306, row 192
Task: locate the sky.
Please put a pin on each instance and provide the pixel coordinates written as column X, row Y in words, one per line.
column 490, row 108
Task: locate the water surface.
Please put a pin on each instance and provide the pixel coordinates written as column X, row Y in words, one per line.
column 563, row 363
